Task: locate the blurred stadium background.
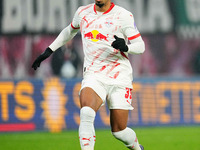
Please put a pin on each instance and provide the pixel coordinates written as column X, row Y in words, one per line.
column 166, row 83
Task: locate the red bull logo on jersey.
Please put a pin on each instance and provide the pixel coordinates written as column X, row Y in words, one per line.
column 95, row 36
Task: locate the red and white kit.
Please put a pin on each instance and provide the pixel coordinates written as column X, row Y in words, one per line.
column 98, row 30
column 105, row 66
column 107, row 71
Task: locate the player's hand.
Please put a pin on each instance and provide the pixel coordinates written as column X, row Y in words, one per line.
column 120, row 44
column 42, row 57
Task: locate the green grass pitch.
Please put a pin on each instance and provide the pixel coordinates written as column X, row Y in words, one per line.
column 153, row 138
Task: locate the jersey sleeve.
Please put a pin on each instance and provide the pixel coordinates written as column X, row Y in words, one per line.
column 131, row 32
column 129, row 28
column 75, row 24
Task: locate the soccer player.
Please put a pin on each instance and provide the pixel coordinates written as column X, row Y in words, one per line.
column 107, row 74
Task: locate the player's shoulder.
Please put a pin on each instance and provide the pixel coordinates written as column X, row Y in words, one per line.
column 123, row 15
column 122, row 11
column 85, row 8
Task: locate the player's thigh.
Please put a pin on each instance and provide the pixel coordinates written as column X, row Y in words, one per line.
column 92, row 93
column 88, row 97
column 118, row 119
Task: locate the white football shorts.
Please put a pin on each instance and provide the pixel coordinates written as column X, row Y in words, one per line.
column 116, row 97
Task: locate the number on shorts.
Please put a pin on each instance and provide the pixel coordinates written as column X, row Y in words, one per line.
column 128, row 94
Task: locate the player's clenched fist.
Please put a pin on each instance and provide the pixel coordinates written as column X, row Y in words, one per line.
column 120, row 44
column 42, row 57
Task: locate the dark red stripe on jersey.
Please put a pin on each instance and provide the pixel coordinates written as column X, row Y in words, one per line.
column 124, row 55
column 95, row 9
column 134, row 37
column 74, row 27
column 111, row 7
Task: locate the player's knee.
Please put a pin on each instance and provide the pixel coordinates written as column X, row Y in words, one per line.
column 87, row 114
column 118, row 127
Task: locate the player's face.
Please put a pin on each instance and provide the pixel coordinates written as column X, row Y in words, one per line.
column 101, row 3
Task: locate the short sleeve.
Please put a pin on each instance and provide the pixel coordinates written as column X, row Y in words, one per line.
column 75, row 24
column 129, row 28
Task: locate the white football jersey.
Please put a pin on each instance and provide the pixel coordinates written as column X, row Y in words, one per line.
column 98, row 29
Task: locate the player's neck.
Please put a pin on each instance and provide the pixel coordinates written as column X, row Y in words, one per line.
column 103, row 8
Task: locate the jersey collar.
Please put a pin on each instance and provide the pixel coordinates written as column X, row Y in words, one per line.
column 111, row 7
